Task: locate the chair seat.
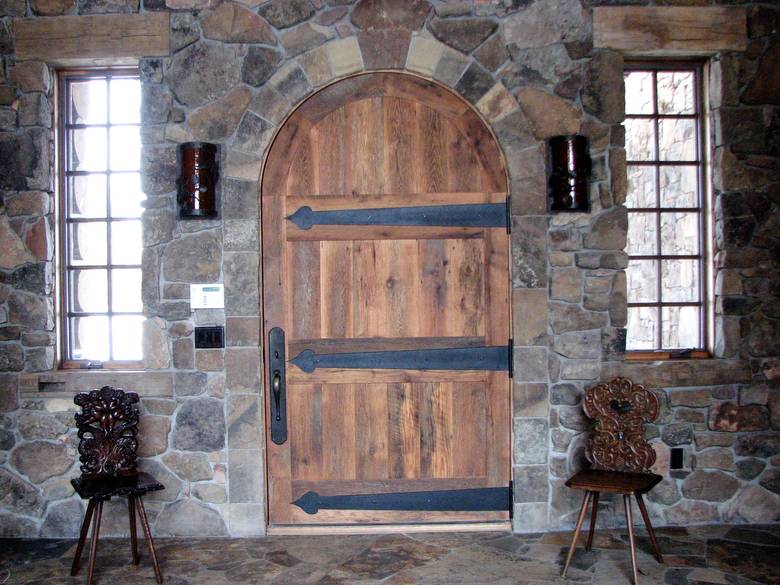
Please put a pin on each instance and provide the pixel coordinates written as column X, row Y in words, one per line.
column 105, row 488
column 618, row 482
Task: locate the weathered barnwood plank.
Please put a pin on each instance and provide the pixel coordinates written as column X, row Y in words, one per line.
column 92, row 40
column 670, row 30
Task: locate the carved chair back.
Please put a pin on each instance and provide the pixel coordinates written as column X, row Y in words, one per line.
column 621, row 410
column 107, row 430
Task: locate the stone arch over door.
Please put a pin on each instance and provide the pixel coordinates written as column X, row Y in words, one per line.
column 354, row 291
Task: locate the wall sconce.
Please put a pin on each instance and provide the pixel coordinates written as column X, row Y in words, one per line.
column 198, row 180
column 569, row 171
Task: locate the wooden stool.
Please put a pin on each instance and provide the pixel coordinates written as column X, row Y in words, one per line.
column 621, row 458
column 107, row 430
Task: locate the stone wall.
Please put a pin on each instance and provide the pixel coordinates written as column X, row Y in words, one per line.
column 235, row 71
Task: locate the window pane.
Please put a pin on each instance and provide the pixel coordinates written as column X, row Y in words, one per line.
column 126, row 339
column 642, row 234
column 88, row 243
column 126, row 242
column 125, row 148
column 675, row 92
column 89, row 291
column 679, row 186
column 640, row 139
column 88, row 196
column 639, row 92
column 680, row 327
column 679, row 233
column 126, row 195
column 641, row 187
column 88, row 149
column 680, row 281
column 642, row 328
column 125, row 101
column 677, row 139
column 88, row 102
column 642, row 281
column 126, row 290
column 89, row 338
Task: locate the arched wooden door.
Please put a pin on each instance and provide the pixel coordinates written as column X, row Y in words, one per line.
column 386, row 309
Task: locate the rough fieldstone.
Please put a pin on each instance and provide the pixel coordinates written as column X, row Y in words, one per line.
column 164, row 476
column 217, row 120
column 209, row 492
column 603, row 92
column 34, row 110
column 566, row 284
column 546, row 23
column 9, row 393
column 245, row 422
column 539, row 66
column 764, row 445
column 729, row 417
column 18, row 495
column 291, row 82
column 27, row 203
column 568, row 394
column 530, row 399
column 386, row 48
column 531, row 483
column 193, row 258
column 184, row 30
column 155, row 344
column 756, row 505
column 161, row 406
column 158, row 172
column 549, row 115
column 189, row 466
column 492, row 53
column 203, row 72
column 573, row 417
column 475, row 82
column 63, row 519
column 200, row 425
column 608, row 231
column 528, row 449
column 189, row 518
column 384, row 14
column 765, row 85
column 286, row 13
column 55, row 7
column 183, row 354
column 565, row 317
column 611, row 260
column 156, row 102
column 36, row 425
column 464, row 34
column 716, row 459
column 692, row 512
column 747, row 469
column 153, row 435
column 233, row 23
column 240, row 234
column 189, row 383
column 12, row 8
column 677, row 434
column 666, row 492
column 40, row 460
column 11, row 358
column 579, row 344
column 771, row 480
column 246, row 479
column 7, row 440
column 714, row 486
column 305, row 37
column 253, row 135
column 15, row 253
column 12, row 526
column 242, row 295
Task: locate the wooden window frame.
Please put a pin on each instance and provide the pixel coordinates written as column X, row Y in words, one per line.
column 63, row 220
column 704, row 257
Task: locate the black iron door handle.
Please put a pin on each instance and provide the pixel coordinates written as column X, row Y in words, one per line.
column 276, row 364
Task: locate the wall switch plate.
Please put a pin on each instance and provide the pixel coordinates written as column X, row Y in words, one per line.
column 209, row 337
column 207, row 296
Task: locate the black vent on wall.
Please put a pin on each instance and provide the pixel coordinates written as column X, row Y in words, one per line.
column 209, row 337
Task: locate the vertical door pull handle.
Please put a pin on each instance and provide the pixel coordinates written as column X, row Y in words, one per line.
column 276, row 365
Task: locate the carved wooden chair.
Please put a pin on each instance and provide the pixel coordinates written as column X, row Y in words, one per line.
column 620, row 457
column 107, row 430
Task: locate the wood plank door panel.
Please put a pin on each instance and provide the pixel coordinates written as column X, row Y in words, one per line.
column 371, row 142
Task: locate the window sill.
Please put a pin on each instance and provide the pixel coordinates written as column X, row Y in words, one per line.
column 64, row 383
column 654, row 356
column 671, row 373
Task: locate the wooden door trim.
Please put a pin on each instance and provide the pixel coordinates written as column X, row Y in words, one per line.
column 346, row 529
column 486, row 147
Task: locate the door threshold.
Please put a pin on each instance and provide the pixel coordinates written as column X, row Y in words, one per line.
column 321, row 529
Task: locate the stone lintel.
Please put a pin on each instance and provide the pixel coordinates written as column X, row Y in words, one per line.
column 116, row 39
column 64, row 383
column 670, row 30
column 680, row 373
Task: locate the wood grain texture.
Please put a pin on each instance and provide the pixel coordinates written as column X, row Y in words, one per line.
column 374, row 141
column 116, row 39
column 670, row 30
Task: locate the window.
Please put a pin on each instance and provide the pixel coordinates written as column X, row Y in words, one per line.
column 666, row 220
column 99, row 149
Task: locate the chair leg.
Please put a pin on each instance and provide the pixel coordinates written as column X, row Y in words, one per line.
column 149, row 541
column 580, row 520
column 593, row 515
column 650, row 531
column 630, row 525
column 133, row 535
column 82, row 537
column 95, row 535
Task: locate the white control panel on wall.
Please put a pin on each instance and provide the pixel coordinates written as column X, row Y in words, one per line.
column 207, row 296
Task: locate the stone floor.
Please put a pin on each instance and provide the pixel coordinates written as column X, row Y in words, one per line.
column 735, row 555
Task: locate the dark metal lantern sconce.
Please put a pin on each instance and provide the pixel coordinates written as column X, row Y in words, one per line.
column 569, row 171
column 198, row 180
